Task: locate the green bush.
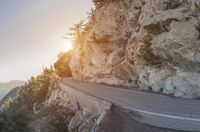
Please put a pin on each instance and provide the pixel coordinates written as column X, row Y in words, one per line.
column 36, row 89
column 15, row 117
column 17, row 114
column 61, row 66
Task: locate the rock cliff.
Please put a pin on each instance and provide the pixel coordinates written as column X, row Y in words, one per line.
column 67, row 109
column 147, row 44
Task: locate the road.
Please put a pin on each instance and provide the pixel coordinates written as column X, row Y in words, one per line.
column 153, row 109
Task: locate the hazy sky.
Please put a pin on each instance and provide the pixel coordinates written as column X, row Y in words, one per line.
column 31, row 33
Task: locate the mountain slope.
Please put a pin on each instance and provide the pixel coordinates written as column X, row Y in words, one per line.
column 10, row 95
column 6, row 87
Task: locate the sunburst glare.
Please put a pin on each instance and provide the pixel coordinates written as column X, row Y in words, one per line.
column 67, row 45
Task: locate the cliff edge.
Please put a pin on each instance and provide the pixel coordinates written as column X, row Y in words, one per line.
column 147, row 44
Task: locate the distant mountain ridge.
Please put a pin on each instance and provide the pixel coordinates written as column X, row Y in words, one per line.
column 10, row 95
column 7, row 86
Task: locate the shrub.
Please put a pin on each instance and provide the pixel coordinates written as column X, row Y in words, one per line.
column 61, row 66
column 15, row 117
column 17, row 114
column 36, row 89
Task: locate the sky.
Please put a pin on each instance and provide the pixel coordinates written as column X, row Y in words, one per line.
column 31, row 34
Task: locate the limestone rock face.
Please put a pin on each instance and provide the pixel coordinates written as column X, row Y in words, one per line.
column 148, row 44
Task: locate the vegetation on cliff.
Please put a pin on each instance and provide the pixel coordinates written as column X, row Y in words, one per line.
column 17, row 114
column 132, row 43
column 27, row 112
column 62, row 64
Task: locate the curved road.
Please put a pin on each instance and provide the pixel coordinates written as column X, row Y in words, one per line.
column 153, row 109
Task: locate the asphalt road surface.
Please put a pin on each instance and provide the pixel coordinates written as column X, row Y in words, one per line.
column 153, row 109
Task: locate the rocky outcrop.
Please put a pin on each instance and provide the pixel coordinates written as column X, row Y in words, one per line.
column 148, row 44
column 88, row 110
column 67, row 109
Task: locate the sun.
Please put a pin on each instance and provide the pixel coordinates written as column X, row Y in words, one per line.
column 68, row 45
